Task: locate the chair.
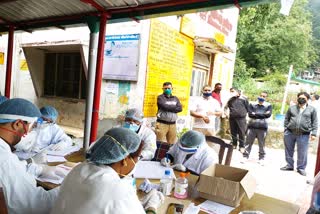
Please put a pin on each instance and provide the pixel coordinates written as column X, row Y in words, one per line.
column 223, row 147
column 162, row 149
column 3, row 205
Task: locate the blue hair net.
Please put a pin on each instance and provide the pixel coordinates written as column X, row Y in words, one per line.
column 115, row 145
column 134, row 114
column 2, row 99
column 49, row 112
column 192, row 139
column 18, row 109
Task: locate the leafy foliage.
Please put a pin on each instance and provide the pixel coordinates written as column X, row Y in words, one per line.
column 269, row 42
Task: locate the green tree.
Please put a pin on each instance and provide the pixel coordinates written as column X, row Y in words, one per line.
column 314, row 8
column 269, row 42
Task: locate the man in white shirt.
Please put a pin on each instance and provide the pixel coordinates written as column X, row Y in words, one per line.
column 20, row 189
column 205, row 109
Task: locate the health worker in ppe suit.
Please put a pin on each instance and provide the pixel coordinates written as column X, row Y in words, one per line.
column 104, row 183
column 3, row 98
column 46, row 133
column 20, row 189
column 134, row 121
column 191, row 153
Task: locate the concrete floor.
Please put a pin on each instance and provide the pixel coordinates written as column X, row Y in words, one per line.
column 271, row 181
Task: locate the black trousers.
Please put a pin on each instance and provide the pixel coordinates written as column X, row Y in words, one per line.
column 238, row 128
column 252, row 134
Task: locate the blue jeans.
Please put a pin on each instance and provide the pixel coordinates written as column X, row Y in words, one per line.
column 290, row 141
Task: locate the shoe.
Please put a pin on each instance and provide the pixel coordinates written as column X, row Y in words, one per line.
column 244, row 160
column 302, row 172
column 261, row 162
column 286, row 168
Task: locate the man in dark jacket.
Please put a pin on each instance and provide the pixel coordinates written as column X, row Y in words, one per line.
column 238, row 108
column 168, row 107
column 258, row 126
column 300, row 121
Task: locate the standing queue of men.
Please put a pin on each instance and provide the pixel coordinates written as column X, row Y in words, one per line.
column 110, row 162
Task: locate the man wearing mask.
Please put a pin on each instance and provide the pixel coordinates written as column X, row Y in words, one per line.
column 216, row 92
column 134, row 122
column 238, row 108
column 300, row 124
column 20, row 188
column 205, row 109
column 258, row 126
column 168, row 107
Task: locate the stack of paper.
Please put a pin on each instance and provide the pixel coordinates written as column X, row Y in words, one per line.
column 65, row 170
column 65, row 152
column 151, row 170
column 215, row 208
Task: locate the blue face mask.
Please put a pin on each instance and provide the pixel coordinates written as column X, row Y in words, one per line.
column 133, row 127
column 167, row 91
column 206, row 94
column 261, row 100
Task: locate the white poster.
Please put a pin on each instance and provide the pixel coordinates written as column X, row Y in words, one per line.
column 121, row 57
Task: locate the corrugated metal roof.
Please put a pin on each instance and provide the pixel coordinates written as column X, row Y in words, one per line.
column 31, row 14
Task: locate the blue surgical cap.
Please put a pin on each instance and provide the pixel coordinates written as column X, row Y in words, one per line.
column 114, row 146
column 49, row 112
column 2, row 99
column 134, row 114
column 18, row 109
column 192, row 139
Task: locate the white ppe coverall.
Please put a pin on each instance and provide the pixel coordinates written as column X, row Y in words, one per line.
column 199, row 161
column 89, row 188
column 20, row 189
column 43, row 136
column 150, row 143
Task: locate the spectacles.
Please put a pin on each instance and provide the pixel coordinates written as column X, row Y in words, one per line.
column 207, row 90
column 166, row 88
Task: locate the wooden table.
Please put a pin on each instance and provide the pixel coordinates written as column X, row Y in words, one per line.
column 258, row 202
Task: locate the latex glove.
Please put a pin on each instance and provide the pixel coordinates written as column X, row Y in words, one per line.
column 146, row 186
column 165, row 162
column 59, row 146
column 179, row 167
column 52, row 172
column 40, row 158
column 153, row 199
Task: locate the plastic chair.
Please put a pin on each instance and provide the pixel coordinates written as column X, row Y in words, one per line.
column 223, row 147
column 3, row 205
column 162, row 149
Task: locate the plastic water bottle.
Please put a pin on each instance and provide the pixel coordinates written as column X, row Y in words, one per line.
column 181, row 187
column 166, row 183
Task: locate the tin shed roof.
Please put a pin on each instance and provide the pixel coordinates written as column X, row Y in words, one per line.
column 32, row 14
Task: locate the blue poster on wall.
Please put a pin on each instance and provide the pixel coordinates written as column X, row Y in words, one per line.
column 121, row 56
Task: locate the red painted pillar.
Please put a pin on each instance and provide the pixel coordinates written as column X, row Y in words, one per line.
column 317, row 169
column 9, row 62
column 98, row 80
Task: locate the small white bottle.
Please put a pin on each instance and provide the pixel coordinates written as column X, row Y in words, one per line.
column 166, row 183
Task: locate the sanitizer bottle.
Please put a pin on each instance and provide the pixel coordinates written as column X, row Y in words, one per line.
column 181, row 187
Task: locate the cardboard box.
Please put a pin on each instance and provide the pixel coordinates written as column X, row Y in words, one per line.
column 226, row 185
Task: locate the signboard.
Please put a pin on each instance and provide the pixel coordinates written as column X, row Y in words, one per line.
column 24, row 65
column 170, row 58
column 1, row 58
column 121, row 57
column 187, row 27
column 219, row 37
